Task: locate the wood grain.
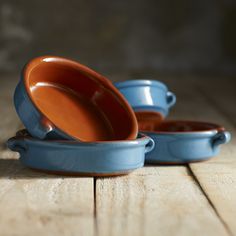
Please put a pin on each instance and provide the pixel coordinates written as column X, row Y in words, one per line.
column 155, row 209
column 162, row 200
column 198, row 199
column 33, row 203
column 217, row 176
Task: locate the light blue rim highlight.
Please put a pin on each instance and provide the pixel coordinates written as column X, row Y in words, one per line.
column 141, row 82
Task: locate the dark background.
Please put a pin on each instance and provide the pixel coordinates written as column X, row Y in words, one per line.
column 164, row 36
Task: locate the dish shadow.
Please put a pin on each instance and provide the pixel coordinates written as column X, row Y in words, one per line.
column 13, row 169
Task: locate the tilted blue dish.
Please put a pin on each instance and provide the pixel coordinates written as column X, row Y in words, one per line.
column 33, row 120
column 184, row 141
column 147, row 95
column 57, row 98
column 82, row 158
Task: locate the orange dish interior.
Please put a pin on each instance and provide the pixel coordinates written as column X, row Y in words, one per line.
column 78, row 101
column 154, row 122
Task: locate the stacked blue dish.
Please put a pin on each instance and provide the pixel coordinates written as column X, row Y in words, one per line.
column 176, row 141
column 79, row 123
column 147, row 95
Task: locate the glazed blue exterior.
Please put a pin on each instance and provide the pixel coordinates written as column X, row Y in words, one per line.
column 32, row 118
column 82, row 157
column 185, row 147
column 147, row 95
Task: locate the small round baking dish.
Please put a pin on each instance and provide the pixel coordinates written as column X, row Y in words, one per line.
column 182, row 141
column 58, row 98
column 81, row 158
column 147, row 95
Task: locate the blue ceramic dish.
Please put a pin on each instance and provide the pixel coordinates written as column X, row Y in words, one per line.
column 33, row 120
column 184, row 141
column 147, row 95
column 58, row 98
column 81, row 158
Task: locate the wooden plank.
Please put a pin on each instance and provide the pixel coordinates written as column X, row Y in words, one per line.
column 217, row 176
column 163, row 200
column 154, row 212
column 33, row 203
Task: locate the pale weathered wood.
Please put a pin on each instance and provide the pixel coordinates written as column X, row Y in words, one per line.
column 140, row 204
column 163, row 200
column 154, row 200
column 217, row 176
column 33, row 203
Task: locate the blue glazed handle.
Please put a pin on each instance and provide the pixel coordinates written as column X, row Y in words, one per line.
column 16, row 144
column 171, row 99
column 150, row 145
column 220, row 138
column 45, row 127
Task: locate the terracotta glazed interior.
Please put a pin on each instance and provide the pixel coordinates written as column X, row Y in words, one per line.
column 153, row 121
column 79, row 101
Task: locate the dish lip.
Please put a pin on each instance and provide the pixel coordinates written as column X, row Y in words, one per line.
column 24, row 136
column 216, row 128
column 91, row 73
column 140, row 82
column 149, row 112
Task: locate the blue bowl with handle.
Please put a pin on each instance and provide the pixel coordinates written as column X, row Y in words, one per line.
column 147, row 95
column 81, row 158
column 183, row 141
column 57, row 98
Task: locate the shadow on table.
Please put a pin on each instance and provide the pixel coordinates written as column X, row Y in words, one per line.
column 13, row 169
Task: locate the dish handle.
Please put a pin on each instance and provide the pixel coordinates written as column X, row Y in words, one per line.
column 46, row 127
column 220, row 138
column 150, row 145
column 171, row 99
column 16, row 144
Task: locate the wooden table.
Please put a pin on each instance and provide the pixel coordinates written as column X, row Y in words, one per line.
column 196, row 199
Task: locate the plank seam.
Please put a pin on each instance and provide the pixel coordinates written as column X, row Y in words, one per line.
column 95, row 205
column 209, row 201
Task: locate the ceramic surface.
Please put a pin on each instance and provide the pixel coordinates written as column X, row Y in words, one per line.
column 183, row 141
column 71, row 157
column 147, row 95
column 59, row 98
